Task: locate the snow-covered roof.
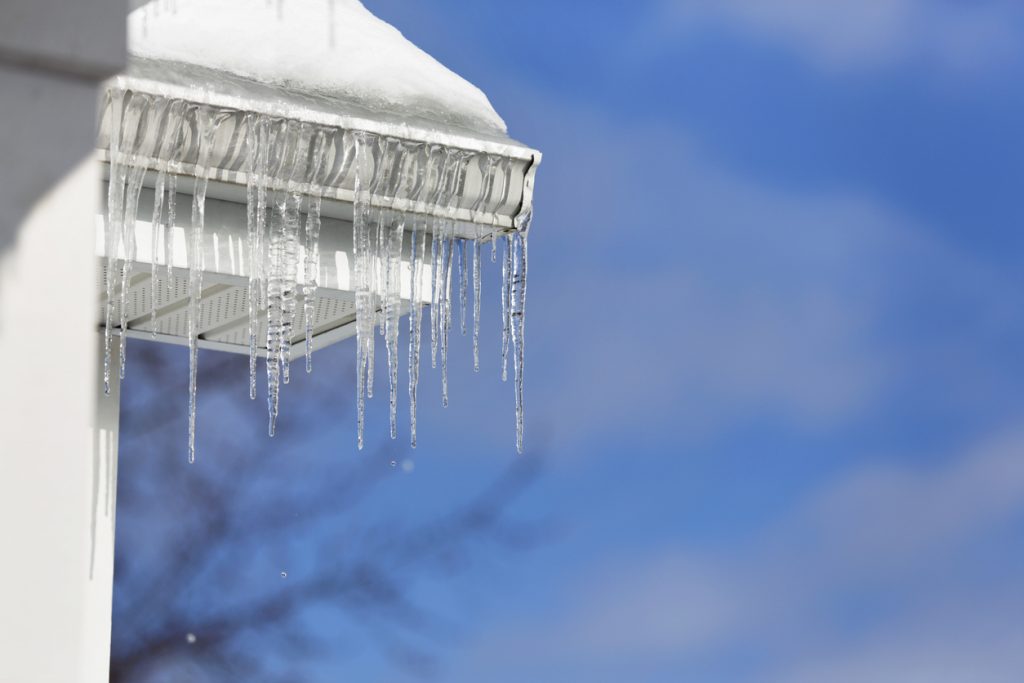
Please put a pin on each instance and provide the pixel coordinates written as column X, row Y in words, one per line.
column 333, row 49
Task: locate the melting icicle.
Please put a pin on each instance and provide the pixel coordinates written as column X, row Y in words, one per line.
column 283, row 259
column 453, row 189
column 395, row 233
column 392, row 311
column 506, row 306
column 115, row 197
column 171, row 131
column 149, row 124
column 257, row 207
column 293, row 208
column 463, row 285
column 476, row 305
column 364, row 177
column 419, row 246
column 435, row 290
column 444, row 159
column 172, row 205
column 517, row 293
column 252, row 122
column 206, row 128
column 486, row 186
column 312, row 264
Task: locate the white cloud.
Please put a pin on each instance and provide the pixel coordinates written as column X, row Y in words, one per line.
column 858, row 34
column 877, row 531
column 730, row 298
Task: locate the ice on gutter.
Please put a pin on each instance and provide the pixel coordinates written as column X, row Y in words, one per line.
column 239, row 92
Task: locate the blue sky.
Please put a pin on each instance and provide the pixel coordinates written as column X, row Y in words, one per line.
column 774, row 336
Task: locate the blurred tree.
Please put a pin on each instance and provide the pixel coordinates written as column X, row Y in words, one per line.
column 260, row 563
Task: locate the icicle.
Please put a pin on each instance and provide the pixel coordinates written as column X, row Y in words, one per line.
column 448, row 246
column 376, row 265
column 518, row 316
column 476, row 304
column 252, row 140
column 403, row 185
column 435, row 290
column 168, row 145
column 436, row 199
column 364, row 178
column 392, row 311
column 149, row 123
column 463, row 284
column 281, row 284
column 115, row 198
column 257, row 253
column 206, row 129
column 486, row 187
column 506, row 306
column 173, row 166
column 292, row 224
column 453, row 193
column 172, row 206
column 312, row 265
column 421, row 190
column 419, row 246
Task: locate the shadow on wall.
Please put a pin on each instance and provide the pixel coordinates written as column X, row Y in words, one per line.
column 49, row 125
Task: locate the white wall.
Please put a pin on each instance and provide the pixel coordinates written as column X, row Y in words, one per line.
column 54, row 616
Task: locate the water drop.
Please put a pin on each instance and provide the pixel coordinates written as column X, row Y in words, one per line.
column 190, row 639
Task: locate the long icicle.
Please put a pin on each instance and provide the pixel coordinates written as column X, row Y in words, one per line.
column 435, row 289
column 252, row 149
column 149, row 123
column 437, row 198
column 282, row 263
column 417, row 252
column 293, row 208
column 168, row 144
column 115, row 213
column 486, row 188
column 518, row 315
column 506, row 306
column 206, row 127
column 312, row 247
column 364, row 177
column 392, row 310
column 257, row 255
column 463, row 285
column 169, row 224
column 392, row 228
column 418, row 247
column 131, row 125
column 477, row 286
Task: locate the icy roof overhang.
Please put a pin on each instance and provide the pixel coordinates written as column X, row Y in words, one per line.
column 330, row 63
column 310, row 135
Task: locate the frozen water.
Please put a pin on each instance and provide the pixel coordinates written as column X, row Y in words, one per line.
column 404, row 194
column 206, row 127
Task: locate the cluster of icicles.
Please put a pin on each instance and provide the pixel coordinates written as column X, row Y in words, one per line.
column 402, row 190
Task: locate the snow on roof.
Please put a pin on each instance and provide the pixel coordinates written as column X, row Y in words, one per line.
column 333, row 48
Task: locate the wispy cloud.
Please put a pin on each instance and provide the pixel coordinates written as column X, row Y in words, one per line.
column 728, row 297
column 793, row 592
column 865, row 34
